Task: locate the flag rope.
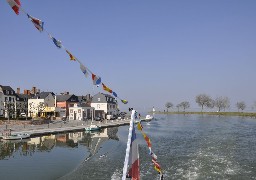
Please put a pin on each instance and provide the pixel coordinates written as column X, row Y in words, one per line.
column 157, row 167
column 96, row 79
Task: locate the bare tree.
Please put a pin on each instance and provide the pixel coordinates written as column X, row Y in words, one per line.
column 185, row 105
column 204, row 100
column 9, row 109
column 178, row 106
column 40, row 107
column 254, row 105
column 222, row 103
column 226, row 103
column 241, row 105
column 168, row 105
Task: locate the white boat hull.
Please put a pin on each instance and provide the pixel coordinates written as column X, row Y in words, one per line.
column 92, row 128
column 16, row 136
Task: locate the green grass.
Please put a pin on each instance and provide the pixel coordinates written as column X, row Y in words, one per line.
column 244, row 114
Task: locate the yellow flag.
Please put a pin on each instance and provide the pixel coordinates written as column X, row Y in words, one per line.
column 72, row 58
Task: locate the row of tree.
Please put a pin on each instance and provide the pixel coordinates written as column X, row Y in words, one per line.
column 203, row 100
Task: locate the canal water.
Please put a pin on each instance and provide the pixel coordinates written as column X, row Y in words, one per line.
column 187, row 146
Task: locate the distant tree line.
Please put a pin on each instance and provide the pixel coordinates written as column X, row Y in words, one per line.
column 205, row 101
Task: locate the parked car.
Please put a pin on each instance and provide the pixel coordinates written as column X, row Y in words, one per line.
column 98, row 118
column 23, row 115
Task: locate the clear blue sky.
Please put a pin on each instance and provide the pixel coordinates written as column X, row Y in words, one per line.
column 149, row 52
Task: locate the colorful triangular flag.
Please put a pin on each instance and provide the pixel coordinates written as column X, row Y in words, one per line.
column 37, row 23
column 124, row 101
column 56, row 42
column 72, row 58
column 84, row 70
column 114, row 94
column 106, row 88
column 15, row 5
column 96, row 79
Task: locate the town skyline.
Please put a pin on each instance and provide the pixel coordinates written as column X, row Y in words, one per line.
column 173, row 107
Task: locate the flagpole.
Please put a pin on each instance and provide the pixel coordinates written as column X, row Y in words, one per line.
column 128, row 146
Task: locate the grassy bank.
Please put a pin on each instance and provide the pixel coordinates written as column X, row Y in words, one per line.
column 244, row 114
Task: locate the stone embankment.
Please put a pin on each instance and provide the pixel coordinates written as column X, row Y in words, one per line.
column 56, row 126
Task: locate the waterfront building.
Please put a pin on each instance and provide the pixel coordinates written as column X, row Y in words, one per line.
column 7, row 102
column 104, row 105
column 43, row 105
column 64, row 102
column 81, row 113
column 22, row 103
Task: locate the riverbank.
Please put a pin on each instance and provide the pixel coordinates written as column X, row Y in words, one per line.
column 56, row 127
column 244, row 114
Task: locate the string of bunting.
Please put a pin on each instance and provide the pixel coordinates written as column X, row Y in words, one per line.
column 39, row 25
column 151, row 153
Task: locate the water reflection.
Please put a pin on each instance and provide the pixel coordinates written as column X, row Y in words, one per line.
column 27, row 147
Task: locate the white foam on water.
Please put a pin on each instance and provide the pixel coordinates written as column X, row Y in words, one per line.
column 117, row 175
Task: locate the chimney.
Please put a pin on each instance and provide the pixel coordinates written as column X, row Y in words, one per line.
column 18, row 90
column 33, row 90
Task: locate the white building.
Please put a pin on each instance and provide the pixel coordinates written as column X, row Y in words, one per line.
column 104, row 104
column 81, row 113
column 42, row 105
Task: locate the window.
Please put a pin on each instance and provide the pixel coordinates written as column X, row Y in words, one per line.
column 6, row 99
column 10, row 99
column 98, row 99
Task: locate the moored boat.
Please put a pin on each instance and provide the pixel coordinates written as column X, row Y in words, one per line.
column 149, row 117
column 16, row 136
column 92, row 127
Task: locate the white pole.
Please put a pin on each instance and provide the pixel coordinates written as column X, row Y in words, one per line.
column 128, row 146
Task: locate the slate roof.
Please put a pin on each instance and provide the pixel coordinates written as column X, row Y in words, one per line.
column 67, row 97
column 103, row 98
column 62, row 98
column 23, row 97
column 42, row 95
column 7, row 88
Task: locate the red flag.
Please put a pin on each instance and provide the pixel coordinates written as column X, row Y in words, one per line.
column 15, row 5
column 37, row 23
column 96, row 79
column 134, row 171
